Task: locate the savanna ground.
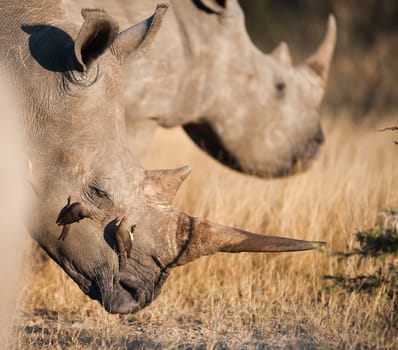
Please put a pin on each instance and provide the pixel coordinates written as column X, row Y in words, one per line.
column 261, row 301
column 247, row 301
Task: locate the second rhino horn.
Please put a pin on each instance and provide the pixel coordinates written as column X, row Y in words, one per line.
column 282, row 54
column 319, row 62
column 161, row 186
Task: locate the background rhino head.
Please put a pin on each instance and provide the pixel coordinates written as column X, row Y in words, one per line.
column 253, row 112
column 71, row 93
column 262, row 112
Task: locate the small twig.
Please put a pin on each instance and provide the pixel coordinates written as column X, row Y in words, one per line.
column 393, row 128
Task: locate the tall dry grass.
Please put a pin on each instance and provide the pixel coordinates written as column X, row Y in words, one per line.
column 247, row 300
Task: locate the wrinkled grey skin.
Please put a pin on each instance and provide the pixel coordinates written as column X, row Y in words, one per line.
column 77, row 146
column 256, row 113
column 69, row 82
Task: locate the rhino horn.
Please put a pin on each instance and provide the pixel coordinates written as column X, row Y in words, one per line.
column 161, row 186
column 197, row 238
column 140, row 36
column 282, row 54
column 319, row 62
column 96, row 35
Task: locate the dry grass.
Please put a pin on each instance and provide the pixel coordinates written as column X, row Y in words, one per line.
column 247, row 301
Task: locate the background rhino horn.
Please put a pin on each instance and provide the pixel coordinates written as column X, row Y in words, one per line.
column 197, row 238
column 139, row 36
column 161, row 186
column 282, row 54
column 319, row 62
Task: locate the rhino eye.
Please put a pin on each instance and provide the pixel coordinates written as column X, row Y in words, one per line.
column 83, row 79
column 280, row 87
column 99, row 193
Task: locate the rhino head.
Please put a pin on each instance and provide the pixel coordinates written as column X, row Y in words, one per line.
column 260, row 113
column 91, row 196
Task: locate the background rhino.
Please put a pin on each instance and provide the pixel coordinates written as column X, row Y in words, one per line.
column 70, row 82
column 256, row 113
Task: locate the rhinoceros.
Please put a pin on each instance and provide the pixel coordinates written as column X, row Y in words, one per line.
column 69, row 80
column 254, row 112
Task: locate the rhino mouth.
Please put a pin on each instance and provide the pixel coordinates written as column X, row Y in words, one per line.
column 136, row 286
column 303, row 158
column 116, row 297
column 119, row 301
column 300, row 160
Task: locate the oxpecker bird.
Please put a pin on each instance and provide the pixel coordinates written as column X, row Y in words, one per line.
column 123, row 238
column 70, row 214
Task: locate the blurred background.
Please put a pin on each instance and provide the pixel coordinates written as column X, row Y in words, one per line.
column 364, row 74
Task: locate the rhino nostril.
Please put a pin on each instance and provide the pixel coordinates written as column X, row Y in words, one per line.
column 319, row 137
column 280, row 86
column 129, row 286
column 120, row 301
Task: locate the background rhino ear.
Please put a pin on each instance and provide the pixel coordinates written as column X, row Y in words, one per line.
column 224, row 8
column 96, row 35
column 140, row 36
column 216, row 6
column 282, row 54
column 161, row 186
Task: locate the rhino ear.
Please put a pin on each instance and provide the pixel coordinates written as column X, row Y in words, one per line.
column 96, row 35
column 223, row 8
column 216, row 6
column 282, row 54
column 161, row 186
column 138, row 37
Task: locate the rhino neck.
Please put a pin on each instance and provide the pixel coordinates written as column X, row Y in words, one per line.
column 176, row 77
column 198, row 35
column 31, row 11
column 17, row 15
column 213, row 50
column 167, row 86
column 20, row 21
